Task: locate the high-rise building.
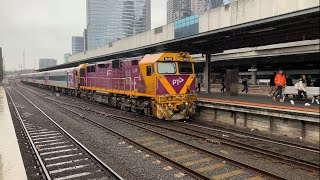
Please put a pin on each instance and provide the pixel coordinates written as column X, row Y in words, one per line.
column 77, row 44
column 45, row 63
column 200, row 6
column 126, row 18
column 66, row 57
column 1, row 66
column 178, row 9
column 85, row 40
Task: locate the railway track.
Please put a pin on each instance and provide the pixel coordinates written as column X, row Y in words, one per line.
column 215, row 161
column 60, row 155
column 196, row 131
column 219, row 129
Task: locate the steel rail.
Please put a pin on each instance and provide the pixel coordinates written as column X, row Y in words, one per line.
column 248, row 135
column 101, row 163
column 224, row 141
column 43, row 167
column 257, row 137
column 120, row 118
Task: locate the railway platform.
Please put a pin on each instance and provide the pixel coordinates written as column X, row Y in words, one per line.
column 262, row 113
column 11, row 164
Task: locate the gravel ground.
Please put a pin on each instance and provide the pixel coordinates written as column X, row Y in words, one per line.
column 128, row 161
column 259, row 133
column 248, row 158
column 42, row 130
column 30, row 162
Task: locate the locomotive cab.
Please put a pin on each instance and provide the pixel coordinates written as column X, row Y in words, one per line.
column 170, row 78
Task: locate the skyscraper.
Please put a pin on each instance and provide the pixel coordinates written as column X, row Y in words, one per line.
column 178, row 9
column 215, row 3
column 126, row 18
column 85, row 40
column 200, row 6
column 77, row 44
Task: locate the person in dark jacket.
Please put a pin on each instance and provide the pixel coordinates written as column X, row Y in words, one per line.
column 289, row 83
column 309, row 81
column 245, row 84
column 316, row 83
column 272, row 85
column 289, row 80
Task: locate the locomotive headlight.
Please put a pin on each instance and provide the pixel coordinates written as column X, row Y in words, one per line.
column 185, row 59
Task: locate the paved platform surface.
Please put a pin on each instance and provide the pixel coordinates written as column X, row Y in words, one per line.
column 11, row 164
column 258, row 100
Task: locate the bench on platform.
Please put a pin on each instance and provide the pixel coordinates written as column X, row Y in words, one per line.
column 263, row 81
column 311, row 92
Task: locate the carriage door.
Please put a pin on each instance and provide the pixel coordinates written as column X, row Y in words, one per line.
column 67, row 78
column 149, row 79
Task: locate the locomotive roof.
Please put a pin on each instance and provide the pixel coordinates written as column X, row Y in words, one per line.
column 152, row 58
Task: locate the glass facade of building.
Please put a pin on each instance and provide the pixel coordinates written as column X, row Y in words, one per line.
column 186, row 27
column 111, row 20
column 178, row 9
column 77, row 44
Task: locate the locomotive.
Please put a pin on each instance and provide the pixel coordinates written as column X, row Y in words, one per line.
column 160, row 85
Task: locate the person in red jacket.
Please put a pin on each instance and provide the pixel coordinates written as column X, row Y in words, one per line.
column 280, row 81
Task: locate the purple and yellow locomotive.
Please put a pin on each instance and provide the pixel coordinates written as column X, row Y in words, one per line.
column 160, row 85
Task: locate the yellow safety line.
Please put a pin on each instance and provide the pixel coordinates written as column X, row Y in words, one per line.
column 197, row 161
column 150, row 143
column 146, row 139
column 207, row 168
column 229, row 174
column 256, row 178
column 163, row 147
column 185, row 156
column 177, row 150
column 188, row 83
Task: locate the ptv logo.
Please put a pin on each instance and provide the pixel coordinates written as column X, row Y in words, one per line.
column 177, row 81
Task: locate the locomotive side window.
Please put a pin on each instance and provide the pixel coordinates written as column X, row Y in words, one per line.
column 185, row 68
column 149, row 71
column 166, row 67
column 116, row 64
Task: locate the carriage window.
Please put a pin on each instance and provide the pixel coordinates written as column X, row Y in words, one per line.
column 185, row 68
column 149, row 71
column 166, row 67
column 102, row 65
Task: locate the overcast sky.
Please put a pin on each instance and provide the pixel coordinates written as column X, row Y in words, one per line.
column 44, row 28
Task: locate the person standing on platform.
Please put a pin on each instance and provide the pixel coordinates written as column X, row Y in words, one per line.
column 223, row 86
column 245, row 84
column 280, row 81
column 316, row 83
column 289, row 83
column 302, row 84
column 222, row 82
column 308, row 80
column 289, row 80
column 272, row 85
